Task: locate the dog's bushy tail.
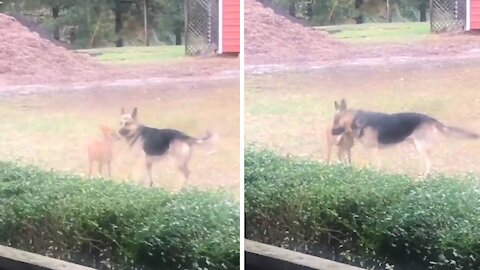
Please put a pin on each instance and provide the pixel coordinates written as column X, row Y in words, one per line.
column 209, row 138
column 456, row 132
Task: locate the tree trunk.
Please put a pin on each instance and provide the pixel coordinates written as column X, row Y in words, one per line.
column 118, row 23
column 292, row 10
column 72, row 35
column 309, row 11
column 423, row 10
column 56, row 28
column 145, row 22
column 359, row 18
column 178, row 36
column 390, row 10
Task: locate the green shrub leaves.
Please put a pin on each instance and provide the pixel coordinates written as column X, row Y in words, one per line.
column 106, row 225
column 377, row 221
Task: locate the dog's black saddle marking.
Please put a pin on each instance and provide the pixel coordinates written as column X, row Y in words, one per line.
column 157, row 141
column 391, row 128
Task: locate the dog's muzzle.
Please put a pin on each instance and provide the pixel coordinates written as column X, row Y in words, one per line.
column 338, row 131
column 124, row 132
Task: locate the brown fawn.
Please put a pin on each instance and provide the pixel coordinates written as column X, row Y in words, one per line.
column 344, row 144
column 101, row 151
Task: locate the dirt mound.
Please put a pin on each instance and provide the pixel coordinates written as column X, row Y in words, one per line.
column 274, row 38
column 26, row 57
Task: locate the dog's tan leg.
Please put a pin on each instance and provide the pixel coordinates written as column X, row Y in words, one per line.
column 428, row 163
column 424, row 140
column 182, row 152
column 109, row 169
column 184, row 169
column 90, row 163
column 424, row 149
column 148, row 166
column 183, row 164
column 341, row 154
column 100, row 168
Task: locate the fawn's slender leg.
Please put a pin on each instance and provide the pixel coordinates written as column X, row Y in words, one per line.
column 90, row 163
column 100, row 168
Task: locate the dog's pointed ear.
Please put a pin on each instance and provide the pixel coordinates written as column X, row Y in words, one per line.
column 122, row 110
column 343, row 104
column 134, row 113
column 337, row 106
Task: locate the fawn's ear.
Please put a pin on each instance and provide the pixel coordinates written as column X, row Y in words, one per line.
column 134, row 113
column 122, row 111
column 343, row 104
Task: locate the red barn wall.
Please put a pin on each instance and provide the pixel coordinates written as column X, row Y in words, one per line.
column 474, row 14
column 231, row 26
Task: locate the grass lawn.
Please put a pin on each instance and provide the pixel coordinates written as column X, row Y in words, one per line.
column 291, row 112
column 138, row 55
column 379, row 32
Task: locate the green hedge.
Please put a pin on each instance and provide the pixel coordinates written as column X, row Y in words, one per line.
column 106, row 225
column 377, row 221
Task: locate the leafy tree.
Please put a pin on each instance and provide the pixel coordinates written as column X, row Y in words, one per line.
column 93, row 23
column 325, row 12
column 291, row 5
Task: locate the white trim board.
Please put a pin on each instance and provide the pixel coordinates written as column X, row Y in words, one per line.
column 467, row 23
column 220, row 26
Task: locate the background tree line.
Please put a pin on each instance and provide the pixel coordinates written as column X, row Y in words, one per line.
column 100, row 23
column 330, row 12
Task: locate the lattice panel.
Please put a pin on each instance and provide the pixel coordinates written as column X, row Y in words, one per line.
column 448, row 15
column 201, row 35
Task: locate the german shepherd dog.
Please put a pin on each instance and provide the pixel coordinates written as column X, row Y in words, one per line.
column 344, row 142
column 157, row 143
column 378, row 130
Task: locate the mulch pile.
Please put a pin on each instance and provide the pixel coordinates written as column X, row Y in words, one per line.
column 272, row 37
column 26, row 57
